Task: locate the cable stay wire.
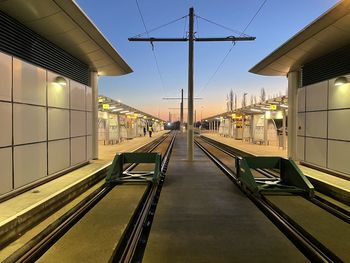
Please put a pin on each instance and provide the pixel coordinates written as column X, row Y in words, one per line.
column 230, row 49
column 161, row 26
column 153, row 51
column 222, row 26
column 185, row 27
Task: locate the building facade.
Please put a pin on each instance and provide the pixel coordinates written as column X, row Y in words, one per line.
column 48, row 90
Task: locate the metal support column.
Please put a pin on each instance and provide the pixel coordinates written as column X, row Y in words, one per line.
column 284, row 129
column 94, row 87
column 265, row 129
column 293, row 85
column 119, row 135
column 190, row 141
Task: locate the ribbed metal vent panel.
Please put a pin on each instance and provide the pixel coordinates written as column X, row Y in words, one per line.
column 21, row 42
column 330, row 66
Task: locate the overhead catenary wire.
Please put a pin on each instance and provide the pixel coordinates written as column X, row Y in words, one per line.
column 153, row 51
column 230, row 49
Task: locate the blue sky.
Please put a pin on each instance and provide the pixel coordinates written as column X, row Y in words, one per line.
column 277, row 21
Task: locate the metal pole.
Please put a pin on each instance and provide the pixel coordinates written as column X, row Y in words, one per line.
column 182, row 110
column 190, row 88
column 265, row 128
column 94, row 88
column 284, row 129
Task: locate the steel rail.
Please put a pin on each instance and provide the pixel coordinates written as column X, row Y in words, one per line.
column 140, row 225
column 315, row 251
column 38, row 245
column 317, row 200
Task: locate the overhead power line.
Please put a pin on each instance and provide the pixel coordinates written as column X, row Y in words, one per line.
column 230, row 49
column 153, row 51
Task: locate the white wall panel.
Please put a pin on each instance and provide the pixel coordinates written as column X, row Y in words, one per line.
column 301, row 99
column 6, row 170
column 5, row 124
column 89, row 123
column 89, row 147
column 301, row 124
column 316, row 96
column 339, row 124
column 58, row 124
column 316, row 150
column 89, row 99
column 339, row 96
column 5, row 77
column 30, row 163
column 57, row 95
column 58, row 155
column 29, row 83
column 316, row 124
column 300, row 147
column 338, row 156
column 78, row 123
column 29, row 123
column 77, row 96
column 78, row 150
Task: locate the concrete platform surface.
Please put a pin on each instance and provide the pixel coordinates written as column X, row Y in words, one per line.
column 203, row 217
column 95, row 237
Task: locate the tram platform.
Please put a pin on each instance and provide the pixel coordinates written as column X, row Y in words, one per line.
column 23, row 210
column 202, row 216
column 337, row 187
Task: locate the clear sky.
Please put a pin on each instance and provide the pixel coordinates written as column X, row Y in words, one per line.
column 277, row 21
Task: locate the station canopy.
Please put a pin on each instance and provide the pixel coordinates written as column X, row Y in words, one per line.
column 106, row 104
column 327, row 33
column 63, row 23
column 270, row 105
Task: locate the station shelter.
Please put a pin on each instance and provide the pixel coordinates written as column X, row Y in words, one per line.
column 50, row 57
column 118, row 122
column 316, row 62
column 261, row 123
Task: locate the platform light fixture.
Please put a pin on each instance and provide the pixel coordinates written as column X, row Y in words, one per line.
column 119, row 109
column 61, row 81
column 124, row 111
column 340, row 81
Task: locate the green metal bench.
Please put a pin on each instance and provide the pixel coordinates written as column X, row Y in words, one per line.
column 116, row 173
column 291, row 180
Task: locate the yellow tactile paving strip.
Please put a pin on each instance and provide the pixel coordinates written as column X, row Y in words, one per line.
column 263, row 150
column 18, row 205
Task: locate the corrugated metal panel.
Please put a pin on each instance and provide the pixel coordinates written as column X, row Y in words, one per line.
column 21, row 42
column 330, row 66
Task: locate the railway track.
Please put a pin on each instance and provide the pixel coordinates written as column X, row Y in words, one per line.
column 318, row 241
column 39, row 245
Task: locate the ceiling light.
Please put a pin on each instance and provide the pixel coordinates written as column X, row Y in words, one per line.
column 340, row 81
column 61, row 81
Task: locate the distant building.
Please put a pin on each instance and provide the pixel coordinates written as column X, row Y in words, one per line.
column 317, row 63
column 50, row 57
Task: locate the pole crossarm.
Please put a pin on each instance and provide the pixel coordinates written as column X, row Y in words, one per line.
column 230, row 38
column 199, row 39
column 154, row 39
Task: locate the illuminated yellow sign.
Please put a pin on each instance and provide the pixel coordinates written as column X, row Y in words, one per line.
column 273, row 107
column 105, row 106
column 101, row 100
